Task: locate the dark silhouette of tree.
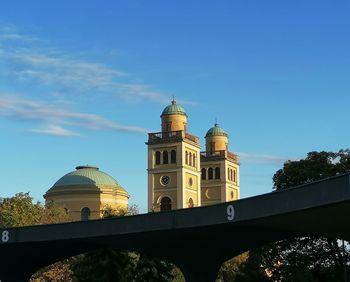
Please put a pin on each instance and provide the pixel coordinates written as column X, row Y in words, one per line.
column 306, row 258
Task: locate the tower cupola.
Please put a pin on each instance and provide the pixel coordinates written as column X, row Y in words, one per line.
column 216, row 139
column 174, row 118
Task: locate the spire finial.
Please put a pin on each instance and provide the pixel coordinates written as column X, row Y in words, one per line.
column 173, row 101
column 216, row 122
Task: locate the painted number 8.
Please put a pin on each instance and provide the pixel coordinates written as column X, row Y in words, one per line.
column 5, row 236
column 230, row 212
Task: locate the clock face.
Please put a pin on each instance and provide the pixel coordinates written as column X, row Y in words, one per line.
column 165, row 180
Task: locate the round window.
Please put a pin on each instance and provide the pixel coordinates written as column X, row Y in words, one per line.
column 190, row 181
column 164, row 180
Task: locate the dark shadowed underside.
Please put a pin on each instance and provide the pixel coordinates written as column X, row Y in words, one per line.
column 198, row 240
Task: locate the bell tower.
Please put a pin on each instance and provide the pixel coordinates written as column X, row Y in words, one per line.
column 219, row 169
column 173, row 163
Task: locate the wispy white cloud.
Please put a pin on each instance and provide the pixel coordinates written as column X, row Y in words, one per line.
column 20, row 108
column 54, row 130
column 49, row 67
column 261, row 158
column 30, row 62
column 9, row 33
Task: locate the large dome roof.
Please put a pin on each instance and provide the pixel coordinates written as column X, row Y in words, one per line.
column 216, row 130
column 174, row 109
column 86, row 175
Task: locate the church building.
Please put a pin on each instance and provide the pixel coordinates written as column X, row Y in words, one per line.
column 180, row 175
column 88, row 193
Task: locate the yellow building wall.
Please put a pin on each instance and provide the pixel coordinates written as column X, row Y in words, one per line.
column 158, row 195
column 232, row 193
column 74, row 203
column 188, row 158
column 117, row 202
column 211, row 195
column 157, row 183
column 193, row 195
column 191, row 181
column 216, row 143
column 161, row 150
column 160, row 190
column 174, row 123
column 74, row 198
column 179, row 173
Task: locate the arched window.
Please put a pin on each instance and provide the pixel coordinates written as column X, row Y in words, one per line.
column 210, row 173
column 228, row 174
column 186, row 160
column 234, row 175
column 165, row 157
column 157, row 157
column 173, row 156
column 194, row 160
column 190, row 203
column 165, row 204
column 217, row 173
column 190, row 159
column 204, row 174
column 85, row 213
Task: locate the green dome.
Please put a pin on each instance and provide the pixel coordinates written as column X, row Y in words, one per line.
column 216, row 130
column 86, row 175
column 174, row 109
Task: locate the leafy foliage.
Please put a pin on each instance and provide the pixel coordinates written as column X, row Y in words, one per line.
column 116, row 265
column 316, row 166
column 59, row 271
column 109, row 212
column 21, row 211
column 104, row 265
column 307, row 258
column 230, row 269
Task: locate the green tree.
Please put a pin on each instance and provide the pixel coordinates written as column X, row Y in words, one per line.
column 154, row 270
column 230, row 269
column 118, row 265
column 59, row 271
column 104, row 265
column 306, row 258
column 20, row 210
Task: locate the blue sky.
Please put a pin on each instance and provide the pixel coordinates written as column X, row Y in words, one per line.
column 82, row 80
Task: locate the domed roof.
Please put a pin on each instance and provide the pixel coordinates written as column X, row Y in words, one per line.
column 216, row 130
column 86, row 175
column 173, row 109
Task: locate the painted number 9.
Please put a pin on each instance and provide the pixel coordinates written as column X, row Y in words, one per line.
column 5, row 236
column 230, row 212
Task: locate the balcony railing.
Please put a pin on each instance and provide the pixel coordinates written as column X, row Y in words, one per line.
column 220, row 154
column 171, row 136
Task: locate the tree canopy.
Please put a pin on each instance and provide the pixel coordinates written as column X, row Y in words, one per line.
column 306, row 258
column 20, row 210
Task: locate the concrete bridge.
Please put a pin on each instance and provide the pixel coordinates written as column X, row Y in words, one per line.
column 198, row 240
